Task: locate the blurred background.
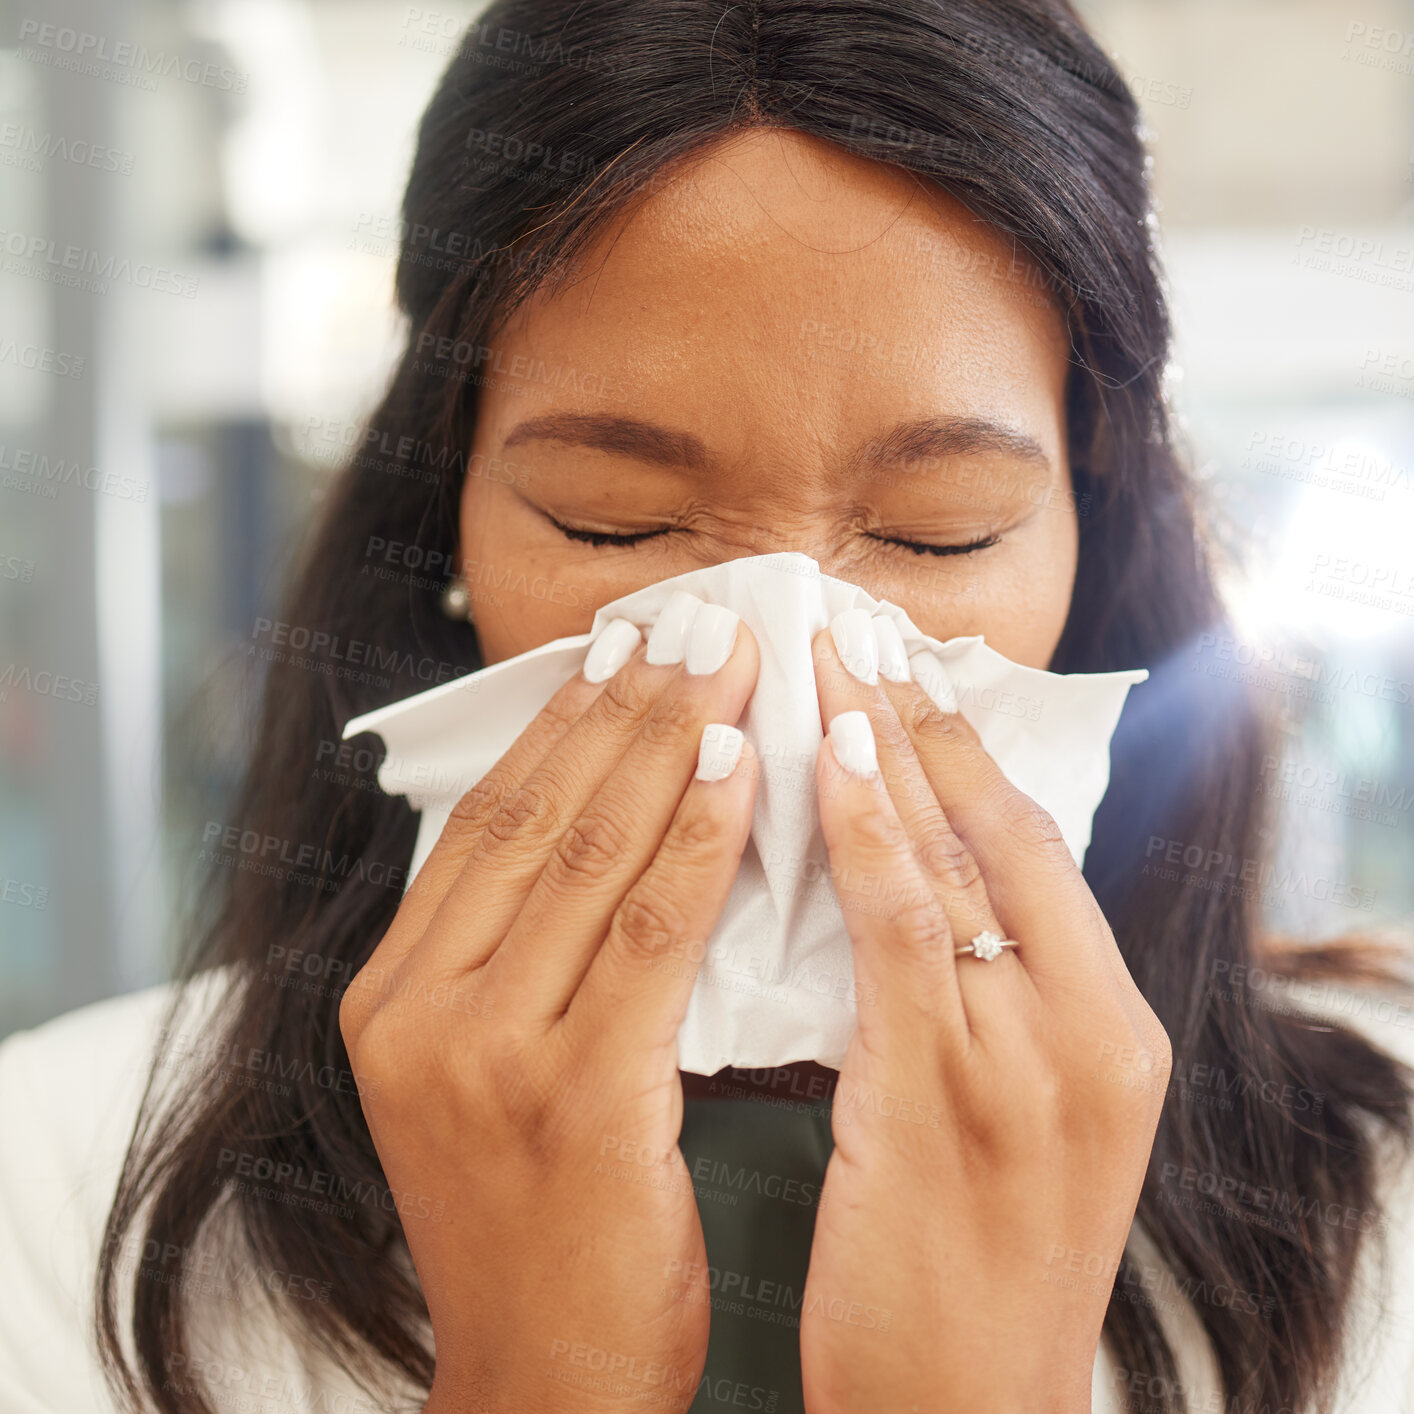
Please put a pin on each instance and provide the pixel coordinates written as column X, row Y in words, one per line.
column 171, row 414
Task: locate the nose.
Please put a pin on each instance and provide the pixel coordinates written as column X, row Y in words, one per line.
column 835, row 556
column 775, row 530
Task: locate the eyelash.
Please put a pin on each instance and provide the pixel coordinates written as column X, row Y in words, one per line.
column 599, row 537
column 918, row 547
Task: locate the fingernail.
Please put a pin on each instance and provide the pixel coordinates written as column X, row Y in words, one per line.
column 852, row 740
column 854, row 642
column 893, row 656
column 710, row 642
column 668, row 641
column 611, row 650
column 930, row 675
column 719, row 751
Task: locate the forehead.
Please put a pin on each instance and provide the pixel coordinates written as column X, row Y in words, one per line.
column 772, row 265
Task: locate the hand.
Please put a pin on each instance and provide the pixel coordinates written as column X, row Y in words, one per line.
column 981, row 1154
column 518, row 1024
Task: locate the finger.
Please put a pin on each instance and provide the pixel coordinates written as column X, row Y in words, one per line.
column 1036, row 888
column 948, row 864
column 528, row 821
column 470, row 815
column 525, row 832
column 528, row 816
column 941, row 853
column 636, row 990
column 901, row 938
column 568, row 911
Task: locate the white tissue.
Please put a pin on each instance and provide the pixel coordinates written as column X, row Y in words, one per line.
column 776, row 981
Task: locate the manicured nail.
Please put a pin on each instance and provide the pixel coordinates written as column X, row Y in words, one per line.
column 852, row 740
column 719, row 751
column 668, row 641
column 854, row 642
column 611, row 650
column 931, row 676
column 893, row 656
column 710, row 641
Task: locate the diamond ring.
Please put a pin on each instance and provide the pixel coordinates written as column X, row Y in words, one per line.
column 986, row 945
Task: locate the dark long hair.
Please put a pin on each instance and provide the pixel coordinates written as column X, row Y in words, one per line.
column 552, row 117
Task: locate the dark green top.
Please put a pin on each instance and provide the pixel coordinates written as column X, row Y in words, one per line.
column 756, row 1166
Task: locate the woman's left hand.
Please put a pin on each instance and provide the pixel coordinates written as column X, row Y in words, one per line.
column 989, row 1156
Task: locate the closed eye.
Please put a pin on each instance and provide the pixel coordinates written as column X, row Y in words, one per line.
column 920, row 547
column 633, row 537
column 605, row 537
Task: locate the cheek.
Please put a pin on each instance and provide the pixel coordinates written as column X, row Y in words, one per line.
column 520, row 597
column 528, row 585
column 1017, row 595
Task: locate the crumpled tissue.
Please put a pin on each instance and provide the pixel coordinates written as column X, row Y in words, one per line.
column 776, row 981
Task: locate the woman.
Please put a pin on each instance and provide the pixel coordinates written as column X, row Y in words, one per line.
column 873, row 280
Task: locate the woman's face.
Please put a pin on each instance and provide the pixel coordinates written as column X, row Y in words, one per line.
column 784, row 347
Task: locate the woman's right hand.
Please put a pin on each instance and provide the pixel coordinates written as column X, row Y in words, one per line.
column 515, row 1039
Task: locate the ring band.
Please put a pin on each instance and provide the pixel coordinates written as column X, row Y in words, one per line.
column 986, row 945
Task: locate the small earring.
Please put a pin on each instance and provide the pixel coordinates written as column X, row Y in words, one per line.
column 456, row 599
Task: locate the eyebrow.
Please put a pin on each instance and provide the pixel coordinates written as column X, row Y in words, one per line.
column 919, row 440
column 625, row 436
column 937, row 437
